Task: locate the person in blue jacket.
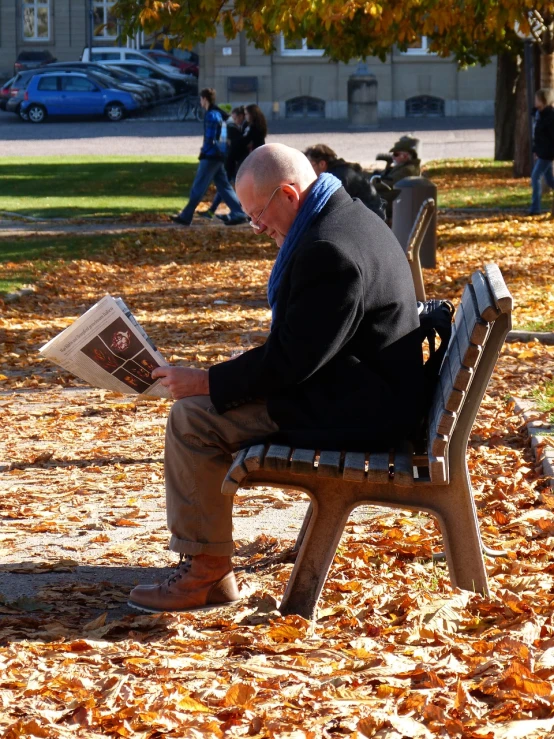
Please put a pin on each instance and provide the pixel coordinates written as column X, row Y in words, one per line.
column 211, row 167
column 543, row 146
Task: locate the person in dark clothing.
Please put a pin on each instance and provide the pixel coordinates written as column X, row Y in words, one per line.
column 543, row 146
column 256, row 129
column 341, row 366
column 253, row 136
column 211, row 167
column 354, row 180
column 404, row 163
column 235, row 154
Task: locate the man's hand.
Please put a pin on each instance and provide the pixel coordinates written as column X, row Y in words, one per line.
column 183, row 382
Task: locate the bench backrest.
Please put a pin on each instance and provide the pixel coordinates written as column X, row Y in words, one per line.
column 481, row 323
column 415, row 240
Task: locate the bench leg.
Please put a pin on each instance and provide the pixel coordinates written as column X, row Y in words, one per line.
column 462, row 539
column 304, row 528
column 320, row 541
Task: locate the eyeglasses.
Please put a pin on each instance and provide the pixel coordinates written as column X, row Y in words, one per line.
column 255, row 222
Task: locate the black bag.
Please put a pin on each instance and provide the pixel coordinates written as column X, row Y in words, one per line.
column 435, row 319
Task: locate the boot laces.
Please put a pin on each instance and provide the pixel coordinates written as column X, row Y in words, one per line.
column 185, row 563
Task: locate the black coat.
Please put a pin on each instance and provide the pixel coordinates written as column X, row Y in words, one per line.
column 356, row 183
column 235, row 150
column 543, row 134
column 343, row 364
column 252, row 138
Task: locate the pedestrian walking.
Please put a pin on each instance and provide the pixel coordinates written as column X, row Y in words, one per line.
column 252, row 138
column 211, row 167
column 235, row 154
column 543, row 146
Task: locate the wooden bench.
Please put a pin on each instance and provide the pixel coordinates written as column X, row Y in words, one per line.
column 434, row 478
column 415, row 240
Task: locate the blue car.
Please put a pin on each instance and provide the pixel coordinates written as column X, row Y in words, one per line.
column 76, row 93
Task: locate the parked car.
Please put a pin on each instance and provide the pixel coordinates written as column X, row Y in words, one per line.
column 5, row 93
column 17, row 90
column 121, row 56
column 158, row 89
column 32, row 59
column 74, row 93
column 161, row 88
column 185, row 54
column 148, row 70
column 168, row 60
column 112, row 54
column 103, row 73
column 119, row 75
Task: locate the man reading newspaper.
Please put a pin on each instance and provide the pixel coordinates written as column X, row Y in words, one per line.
column 342, row 365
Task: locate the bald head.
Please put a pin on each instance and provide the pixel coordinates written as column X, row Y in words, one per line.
column 276, row 164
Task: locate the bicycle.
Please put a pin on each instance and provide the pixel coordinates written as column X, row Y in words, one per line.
column 190, row 109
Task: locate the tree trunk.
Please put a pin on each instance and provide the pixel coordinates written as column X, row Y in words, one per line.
column 507, row 73
column 547, row 70
column 522, row 161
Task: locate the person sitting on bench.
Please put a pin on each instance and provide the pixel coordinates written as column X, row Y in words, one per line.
column 341, row 367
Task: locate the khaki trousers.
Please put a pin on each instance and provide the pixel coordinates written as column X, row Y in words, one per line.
column 199, row 445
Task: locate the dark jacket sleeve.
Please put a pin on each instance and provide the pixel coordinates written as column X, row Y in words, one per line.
column 324, row 309
column 252, row 139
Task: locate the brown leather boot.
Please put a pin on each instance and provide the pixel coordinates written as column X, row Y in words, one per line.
column 198, row 582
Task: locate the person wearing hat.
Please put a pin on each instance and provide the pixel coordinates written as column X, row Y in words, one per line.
column 404, row 163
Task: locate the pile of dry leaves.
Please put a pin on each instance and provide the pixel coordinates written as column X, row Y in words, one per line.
column 394, row 651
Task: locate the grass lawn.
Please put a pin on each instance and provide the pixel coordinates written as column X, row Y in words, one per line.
column 117, row 187
column 84, row 187
column 480, row 183
column 24, row 259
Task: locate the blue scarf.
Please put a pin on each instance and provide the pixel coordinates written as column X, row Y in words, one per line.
column 325, row 185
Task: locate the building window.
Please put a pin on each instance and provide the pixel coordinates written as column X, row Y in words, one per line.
column 299, row 47
column 420, row 46
column 424, row 106
column 305, row 107
column 105, row 24
column 36, row 20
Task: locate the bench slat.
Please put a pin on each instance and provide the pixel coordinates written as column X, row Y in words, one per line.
column 437, row 445
column 329, row 464
column 354, row 466
column 378, row 467
column 477, row 328
column 254, row 458
column 445, row 422
column 404, row 465
column 469, row 352
column 229, row 486
column 452, row 398
column 277, row 457
column 302, row 461
column 461, row 376
column 238, row 471
column 485, row 301
column 500, row 292
column 437, row 469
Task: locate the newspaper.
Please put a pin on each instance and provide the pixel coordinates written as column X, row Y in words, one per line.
column 108, row 348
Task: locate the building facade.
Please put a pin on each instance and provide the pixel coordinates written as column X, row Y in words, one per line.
column 62, row 27
column 298, row 81
column 293, row 81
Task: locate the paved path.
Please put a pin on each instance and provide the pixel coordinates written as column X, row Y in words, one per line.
column 440, row 137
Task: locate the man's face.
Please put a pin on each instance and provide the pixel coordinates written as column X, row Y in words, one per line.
column 400, row 157
column 205, row 103
column 272, row 211
column 318, row 167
